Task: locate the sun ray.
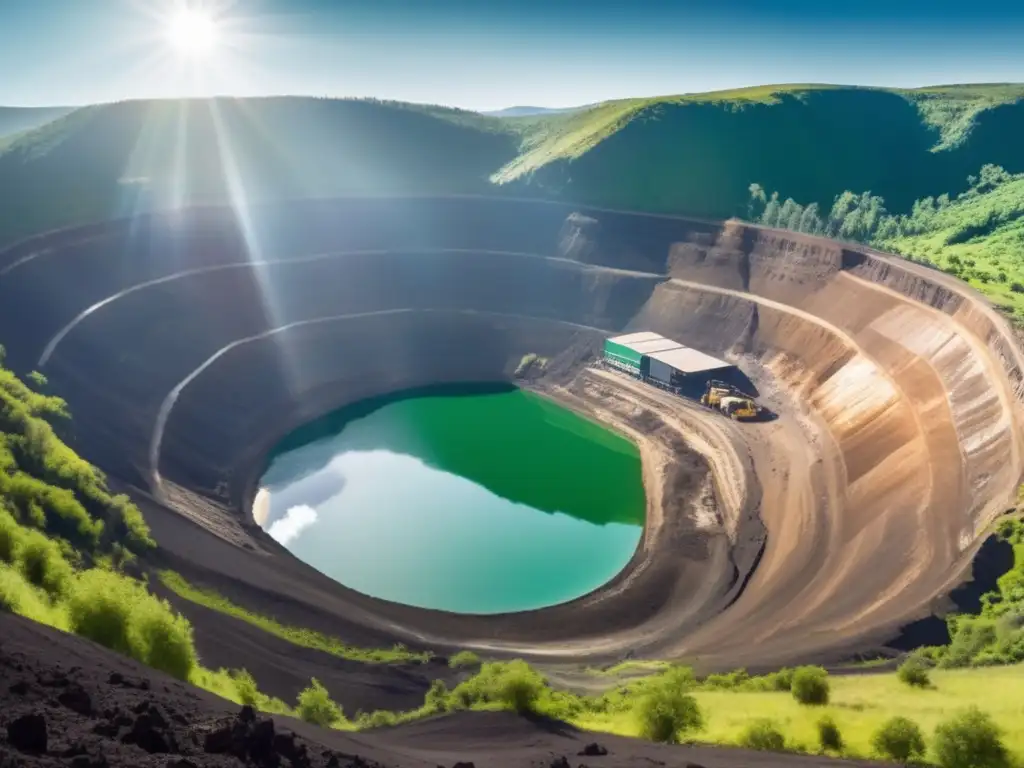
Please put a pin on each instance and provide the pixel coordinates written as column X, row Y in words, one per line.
column 238, row 199
column 192, row 32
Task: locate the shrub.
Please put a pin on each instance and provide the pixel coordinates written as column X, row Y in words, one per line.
column 317, row 707
column 829, row 736
column 526, row 361
column 810, row 685
column 117, row 612
column 520, row 686
column 729, row 681
column 463, row 659
column 10, row 535
column 129, row 524
column 438, row 698
column 512, row 685
column 162, row 639
column 970, row 740
column 899, row 739
column 565, row 705
column 42, row 562
column 667, row 709
column 970, row 635
column 246, row 688
column 18, row 596
column 381, row 718
column 782, row 680
column 763, row 735
column 914, row 672
column 100, row 607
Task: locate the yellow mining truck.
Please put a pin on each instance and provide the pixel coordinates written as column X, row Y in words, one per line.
column 730, row 401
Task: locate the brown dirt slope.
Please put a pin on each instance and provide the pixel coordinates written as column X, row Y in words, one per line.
column 186, row 347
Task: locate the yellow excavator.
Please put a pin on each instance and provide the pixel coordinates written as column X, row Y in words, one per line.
column 730, row 401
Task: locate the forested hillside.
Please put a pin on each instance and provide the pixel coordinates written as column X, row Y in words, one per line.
column 694, row 155
column 698, row 156
column 114, row 160
column 977, row 235
column 14, row 120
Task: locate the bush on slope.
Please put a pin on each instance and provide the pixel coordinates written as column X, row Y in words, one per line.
column 46, row 485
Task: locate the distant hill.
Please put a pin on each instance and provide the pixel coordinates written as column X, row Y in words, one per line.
column 694, row 154
column 114, row 160
column 699, row 153
column 528, row 111
column 17, row 119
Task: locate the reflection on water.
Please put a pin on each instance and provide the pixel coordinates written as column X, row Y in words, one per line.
column 398, row 526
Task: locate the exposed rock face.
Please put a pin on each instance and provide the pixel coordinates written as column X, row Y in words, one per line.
column 900, row 394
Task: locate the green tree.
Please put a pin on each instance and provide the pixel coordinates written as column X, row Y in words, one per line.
column 770, row 216
column 810, row 221
column 763, row 735
column 810, row 685
column 970, row 740
column 844, row 204
column 790, row 214
column 757, row 203
column 829, row 737
column 914, row 672
column 899, row 739
column 667, row 709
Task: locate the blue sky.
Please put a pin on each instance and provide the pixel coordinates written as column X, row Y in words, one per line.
column 487, row 54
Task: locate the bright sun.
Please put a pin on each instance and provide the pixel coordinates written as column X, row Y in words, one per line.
column 192, row 32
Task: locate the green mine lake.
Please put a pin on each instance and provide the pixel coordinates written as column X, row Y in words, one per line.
column 473, row 500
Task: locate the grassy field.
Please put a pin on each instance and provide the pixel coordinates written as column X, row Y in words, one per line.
column 860, row 703
column 979, row 238
column 306, row 638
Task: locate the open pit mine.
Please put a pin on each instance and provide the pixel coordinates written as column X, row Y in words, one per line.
column 188, row 344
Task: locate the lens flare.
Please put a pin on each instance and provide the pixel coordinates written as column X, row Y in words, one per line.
column 192, row 32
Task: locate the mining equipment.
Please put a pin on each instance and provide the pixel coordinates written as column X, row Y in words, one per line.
column 682, row 370
column 730, row 401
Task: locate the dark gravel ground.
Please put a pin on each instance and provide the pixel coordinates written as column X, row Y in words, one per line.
column 65, row 701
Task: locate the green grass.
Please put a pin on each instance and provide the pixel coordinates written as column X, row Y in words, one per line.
column 567, row 136
column 19, row 596
column 989, row 261
column 305, row 637
column 951, row 110
column 46, row 485
column 977, row 236
column 463, row 659
column 119, row 613
column 634, row 667
column 860, row 704
column 547, row 138
column 954, row 109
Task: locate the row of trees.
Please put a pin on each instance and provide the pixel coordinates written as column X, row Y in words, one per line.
column 864, row 218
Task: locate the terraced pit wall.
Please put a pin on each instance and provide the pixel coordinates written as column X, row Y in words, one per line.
column 187, row 343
